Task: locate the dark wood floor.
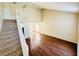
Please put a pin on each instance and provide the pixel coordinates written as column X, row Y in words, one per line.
column 44, row 45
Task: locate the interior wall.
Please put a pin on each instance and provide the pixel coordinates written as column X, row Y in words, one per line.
column 78, row 35
column 78, row 27
column 33, row 14
column 1, row 18
column 8, row 11
column 59, row 24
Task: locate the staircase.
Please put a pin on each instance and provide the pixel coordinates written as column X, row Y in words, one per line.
column 9, row 39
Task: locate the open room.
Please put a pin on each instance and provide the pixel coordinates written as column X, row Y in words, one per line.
column 39, row 28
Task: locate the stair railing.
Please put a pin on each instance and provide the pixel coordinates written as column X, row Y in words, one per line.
column 21, row 35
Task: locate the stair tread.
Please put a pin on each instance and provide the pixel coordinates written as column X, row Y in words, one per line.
column 9, row 39
column 15, row 46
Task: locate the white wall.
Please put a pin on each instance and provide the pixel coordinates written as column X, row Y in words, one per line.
column 8, row 11
column 78, row 36
column 59, row 24
column 78, row 27
column 33, row 14
column 1, row 19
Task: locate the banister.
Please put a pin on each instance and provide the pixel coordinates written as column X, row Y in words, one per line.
column 22, row 38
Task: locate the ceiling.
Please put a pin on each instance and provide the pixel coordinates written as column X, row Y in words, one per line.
column 59, row 6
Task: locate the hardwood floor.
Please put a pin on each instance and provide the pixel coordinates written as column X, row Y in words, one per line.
column 44, row 45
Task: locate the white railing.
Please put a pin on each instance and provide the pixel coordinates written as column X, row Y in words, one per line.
column 21, row 35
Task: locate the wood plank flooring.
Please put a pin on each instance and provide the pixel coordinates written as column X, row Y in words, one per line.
column 9, row 39
column 44, row 45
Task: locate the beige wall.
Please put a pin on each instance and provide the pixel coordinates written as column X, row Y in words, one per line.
column 8, row 11
column 59, row 24
column 78, row 36
column 33, row 14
